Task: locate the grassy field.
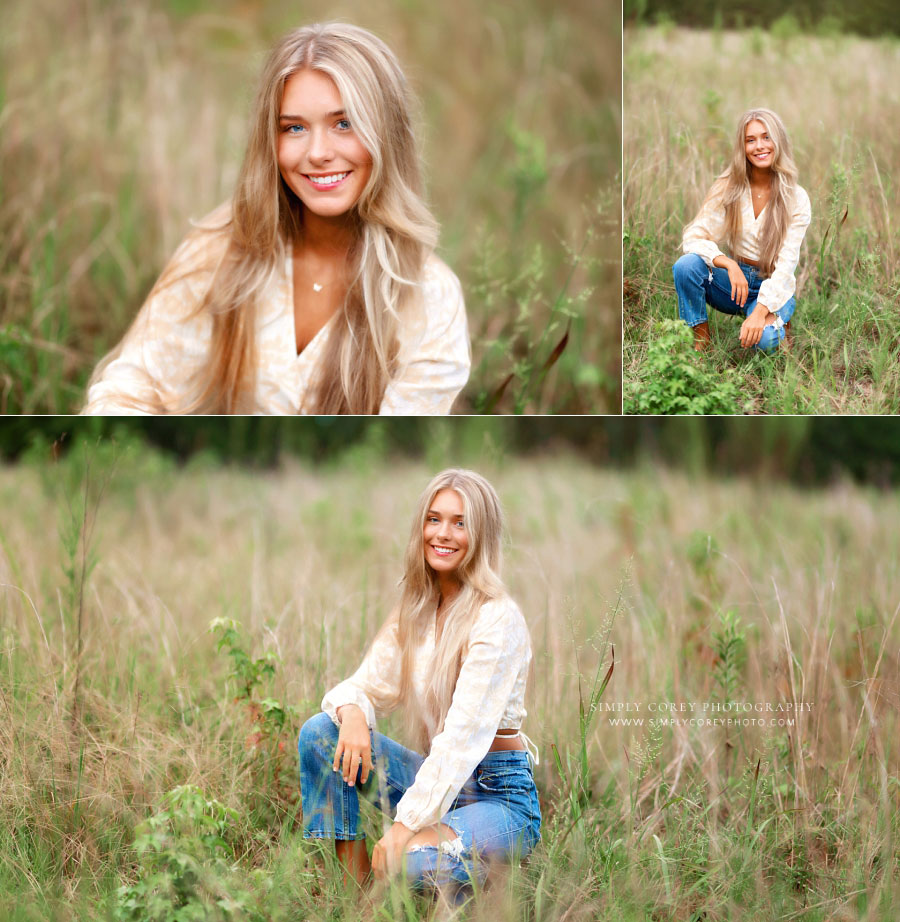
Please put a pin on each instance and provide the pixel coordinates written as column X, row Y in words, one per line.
column 125, row 123
column 114, row 693
column 684, row 91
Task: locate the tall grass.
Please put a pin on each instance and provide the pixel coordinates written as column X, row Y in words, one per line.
column 739, row 590
column 683, row 93
column 126, row 122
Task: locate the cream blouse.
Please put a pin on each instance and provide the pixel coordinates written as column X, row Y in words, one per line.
column 489, row 695
column 167, row 344
column 704, row 233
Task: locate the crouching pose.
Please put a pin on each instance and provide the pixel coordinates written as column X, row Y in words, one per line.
column 454, row 656
column 757, row 209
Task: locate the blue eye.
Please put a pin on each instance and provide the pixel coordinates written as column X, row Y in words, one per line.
column 344, row 124
column 290, row 129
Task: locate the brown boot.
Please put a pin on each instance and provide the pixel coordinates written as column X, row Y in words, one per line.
column 701, row 336
column 788, row 336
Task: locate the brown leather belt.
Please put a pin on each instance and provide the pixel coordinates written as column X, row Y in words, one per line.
column 749, row 262
column 507, row 740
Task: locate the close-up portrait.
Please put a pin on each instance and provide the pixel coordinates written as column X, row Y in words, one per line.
column 263, row 208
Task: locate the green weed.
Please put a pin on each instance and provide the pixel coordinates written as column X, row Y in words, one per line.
column 270, row 759
column 675, row 379
column 186, row 865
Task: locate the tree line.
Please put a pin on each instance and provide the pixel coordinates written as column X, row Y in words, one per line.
column 805, row 450
column 831, row 17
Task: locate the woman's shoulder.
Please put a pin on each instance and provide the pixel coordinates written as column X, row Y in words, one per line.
column 439, row 283
column 207, row 237
column 801, row 200
column 501, row 611
column 716, row 193
column 188, row 274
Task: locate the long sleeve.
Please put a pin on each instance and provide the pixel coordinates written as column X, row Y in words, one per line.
column 374, row 685
column 703, row 234
column 167, row 343
column 779, row 287
column 499, row 651
column 434, row 353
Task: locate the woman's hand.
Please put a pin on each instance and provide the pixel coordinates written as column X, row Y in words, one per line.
column 387, row 856
column 740, row 288
column 354, row 746
column 752, row 328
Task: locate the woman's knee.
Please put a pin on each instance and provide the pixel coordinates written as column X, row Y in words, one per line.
column 770, row 339
column 318, row 734
column 689, row 267
column 449, row 863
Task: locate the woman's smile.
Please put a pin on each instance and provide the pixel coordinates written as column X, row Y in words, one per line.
column 324, row 182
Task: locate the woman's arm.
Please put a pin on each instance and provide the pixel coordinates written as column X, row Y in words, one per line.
column 740, row 287
column 499, row 648
column 779, row 287
column 354, row 746
column 434, row 350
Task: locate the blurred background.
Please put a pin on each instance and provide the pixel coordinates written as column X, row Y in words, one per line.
column 120, row 122
column 866, row 17
column 805, row 451
column 830, row 71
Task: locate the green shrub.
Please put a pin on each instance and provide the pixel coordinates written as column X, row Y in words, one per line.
column 785, row 28
column 675, row 380
column 186, row 865
column 730, row 643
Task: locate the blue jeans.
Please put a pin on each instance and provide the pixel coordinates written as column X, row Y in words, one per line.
column 697, row 285
column 496, row 815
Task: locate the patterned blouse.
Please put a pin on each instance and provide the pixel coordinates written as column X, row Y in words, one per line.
column 703, row 234
column 168, row 343
column 489, row 695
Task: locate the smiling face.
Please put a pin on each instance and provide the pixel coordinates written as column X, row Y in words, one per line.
column 758, row 146
column 319, row 155
column 445, row 535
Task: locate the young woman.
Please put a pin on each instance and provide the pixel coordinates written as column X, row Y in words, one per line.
column 315, row 289
column 757, row 209
column 454, row 655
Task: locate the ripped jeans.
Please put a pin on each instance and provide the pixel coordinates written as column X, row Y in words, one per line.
column 697, row 285
column 496, row 815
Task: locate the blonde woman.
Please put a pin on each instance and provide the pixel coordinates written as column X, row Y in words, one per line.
column 316, row 288
column 454, row 655
column 760, row 212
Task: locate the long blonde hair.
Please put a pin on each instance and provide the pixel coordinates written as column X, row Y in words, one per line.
column 480, row 582
column 734, row 182
column 395, row 233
